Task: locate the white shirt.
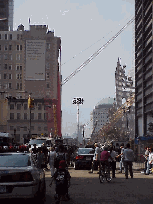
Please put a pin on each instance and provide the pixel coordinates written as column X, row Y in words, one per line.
column 97, row 152
column 151, row 157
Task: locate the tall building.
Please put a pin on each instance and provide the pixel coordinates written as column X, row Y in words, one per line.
column 6, row 15
column 30, row 64
column 143, row 66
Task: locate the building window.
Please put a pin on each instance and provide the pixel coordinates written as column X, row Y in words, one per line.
column 5, row 56
column 11, row 106
column 17, row 47
column 47, row 65
column 39, row 128
column 0, row 37
column 5, row 66
column 10, row 47
column 18, row 116
column 11, row 127
column 10, row 56
column 11, row 116
column 39, row 116
column 39, row 106
column 5, row 76
column 18, row 36
column 48, row 46
column 25, row 106
column 20, row 86
column 18, row 56
column 0, row 47
column 10, row 76
column 25, row 116
column 9, row 85
column 18, row 128
column 17, row 86
column 10, row 36
column 47, row 75
column 48, row 86
column 25, row 128
column 20, row 67
column 45, row 128
column 20, row 47
column 5, row 47
column 18, row 76
column 32, row 127
column 17, row 67
column 32, row 116
column 10, row 67
column 18, row 106
column 5, row 36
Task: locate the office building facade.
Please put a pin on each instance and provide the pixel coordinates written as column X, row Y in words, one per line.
column 143, row 66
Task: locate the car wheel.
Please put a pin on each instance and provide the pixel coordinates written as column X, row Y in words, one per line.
column 76, row 166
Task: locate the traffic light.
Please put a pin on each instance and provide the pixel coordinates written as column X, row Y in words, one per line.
column 30, row 102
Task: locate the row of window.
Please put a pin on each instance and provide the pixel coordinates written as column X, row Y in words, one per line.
column 9, row 76
column 18, row 116
column 18, row 106
column 18, row 128
column 9, row 37
column 9, row 67
column 9, row 57
column 9, row 85
column 9, row 47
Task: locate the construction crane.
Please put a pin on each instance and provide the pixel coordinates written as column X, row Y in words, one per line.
column 116, row 116
column 96, row 53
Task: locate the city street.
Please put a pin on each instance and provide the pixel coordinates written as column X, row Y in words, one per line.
column 86, row 188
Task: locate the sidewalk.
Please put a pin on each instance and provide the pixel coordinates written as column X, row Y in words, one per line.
column 137, row 166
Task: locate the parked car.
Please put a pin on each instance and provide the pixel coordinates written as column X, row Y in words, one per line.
column 20, row 177
column 83, row 158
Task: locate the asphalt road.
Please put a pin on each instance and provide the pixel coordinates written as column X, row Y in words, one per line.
column 86, row 189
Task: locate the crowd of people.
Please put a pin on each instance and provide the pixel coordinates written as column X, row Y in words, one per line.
column 108, row 156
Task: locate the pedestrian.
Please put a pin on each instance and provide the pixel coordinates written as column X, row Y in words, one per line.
column 104, row 159
column 40, row 158
column 121, row 158
column 52, row 156
column 60, row 155
column 149, row 163
column 96, row 159
column 113, row 161
column 146, row 158
column 128, row 156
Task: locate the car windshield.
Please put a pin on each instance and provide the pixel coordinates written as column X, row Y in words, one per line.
column 86, row 151
column 41, row 141
column 14, row 160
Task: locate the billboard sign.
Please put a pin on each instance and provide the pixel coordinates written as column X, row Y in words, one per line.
column 35, row 59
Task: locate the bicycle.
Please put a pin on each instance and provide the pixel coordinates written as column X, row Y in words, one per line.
column 104, row 173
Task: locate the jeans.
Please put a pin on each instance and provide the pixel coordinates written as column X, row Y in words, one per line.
column 104, row 164
column 126, row 165
column 121, row 164
column 149, row 166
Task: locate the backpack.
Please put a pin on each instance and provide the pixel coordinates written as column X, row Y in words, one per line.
column 59, row 157
column 61, row 178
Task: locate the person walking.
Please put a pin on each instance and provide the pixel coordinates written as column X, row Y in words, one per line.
column 96, row 159
column 150, row 161
column 40, row 158
column 128, row 156
column 146, row 158
column 121, row 160
column 51, row 159
column 113, row 161
column 104, row 159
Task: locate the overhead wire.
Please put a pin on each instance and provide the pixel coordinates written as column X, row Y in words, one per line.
column 89, row 46
column 97, row 52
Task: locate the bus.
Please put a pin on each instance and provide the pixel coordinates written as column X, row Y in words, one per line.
column 5, row 140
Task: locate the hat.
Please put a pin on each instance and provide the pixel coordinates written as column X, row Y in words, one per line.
column 62, row 164
column 96, row 144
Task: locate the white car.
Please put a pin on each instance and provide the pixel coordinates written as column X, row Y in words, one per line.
column 20, row 177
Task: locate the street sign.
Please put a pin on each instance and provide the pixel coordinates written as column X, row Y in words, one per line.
column 78, row 100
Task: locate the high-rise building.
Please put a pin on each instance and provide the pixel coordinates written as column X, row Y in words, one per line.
column 30, row 64
column 143, row 66
column 6, row 15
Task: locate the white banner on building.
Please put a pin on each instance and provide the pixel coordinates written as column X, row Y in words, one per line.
column 35, row 59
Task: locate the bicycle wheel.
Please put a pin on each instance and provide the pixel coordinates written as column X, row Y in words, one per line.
column 101, row 176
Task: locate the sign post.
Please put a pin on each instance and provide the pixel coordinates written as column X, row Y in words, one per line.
column 77, row 101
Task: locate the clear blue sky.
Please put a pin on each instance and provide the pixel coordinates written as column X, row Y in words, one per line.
column 80, row 24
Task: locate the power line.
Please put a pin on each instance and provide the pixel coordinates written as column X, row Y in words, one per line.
column 96, row 53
